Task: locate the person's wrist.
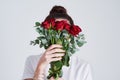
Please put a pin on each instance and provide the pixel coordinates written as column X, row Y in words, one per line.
column 39, row 76
column 42, row 66
column 40, row 70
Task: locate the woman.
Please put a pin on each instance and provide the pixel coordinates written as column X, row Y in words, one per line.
column 36, row 67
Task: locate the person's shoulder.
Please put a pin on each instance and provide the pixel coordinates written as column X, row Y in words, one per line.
column 33, row 57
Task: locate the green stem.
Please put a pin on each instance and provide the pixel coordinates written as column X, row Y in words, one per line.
column 52, row 40
column 57, row 77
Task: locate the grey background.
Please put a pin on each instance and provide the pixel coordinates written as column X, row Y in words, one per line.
column 99, row 19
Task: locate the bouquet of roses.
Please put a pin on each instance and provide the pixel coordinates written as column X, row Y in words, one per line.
column 59, row 32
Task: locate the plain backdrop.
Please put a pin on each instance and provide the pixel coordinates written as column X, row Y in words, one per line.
column 99, row 19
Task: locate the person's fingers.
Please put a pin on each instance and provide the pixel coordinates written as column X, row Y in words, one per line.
column 52, row 78
column 55, row 51
column 55, row 59
column 54, row 46
column 56, row 55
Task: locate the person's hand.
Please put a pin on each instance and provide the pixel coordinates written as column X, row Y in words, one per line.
column 54, row 79
column 53, row 53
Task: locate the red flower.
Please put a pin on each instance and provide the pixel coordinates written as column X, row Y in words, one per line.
column 67, row 27
column 60, row 25
column 74, row 30
column 48, row 23
column 52, row 22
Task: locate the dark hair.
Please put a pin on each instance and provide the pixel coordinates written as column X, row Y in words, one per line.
column 59, row 12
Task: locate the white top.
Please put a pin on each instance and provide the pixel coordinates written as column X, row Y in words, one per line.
column 78, row 69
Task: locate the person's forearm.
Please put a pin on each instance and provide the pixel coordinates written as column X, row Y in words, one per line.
column 39, row 73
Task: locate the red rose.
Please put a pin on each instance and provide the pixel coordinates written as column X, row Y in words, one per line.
column 67, row 27
column 52, row 22
column 48, row 23
column 59, row 25
column 74, row 30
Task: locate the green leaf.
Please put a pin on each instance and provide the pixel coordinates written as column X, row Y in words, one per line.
column 73, row 46
column 41, row 37
column 46, row 46
column 39, row 30
column 37, row 41
column 72, row 51
column 59, row 41
column 80, row 43
column 37, row 24
column 32, row 42
column 64, row 31
column 81, row 37
column 56, row 65
column 60, row 73
column 65, row 35
column 72, row 40
column 43, row 41
column 66, row 59
column 41, row 45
